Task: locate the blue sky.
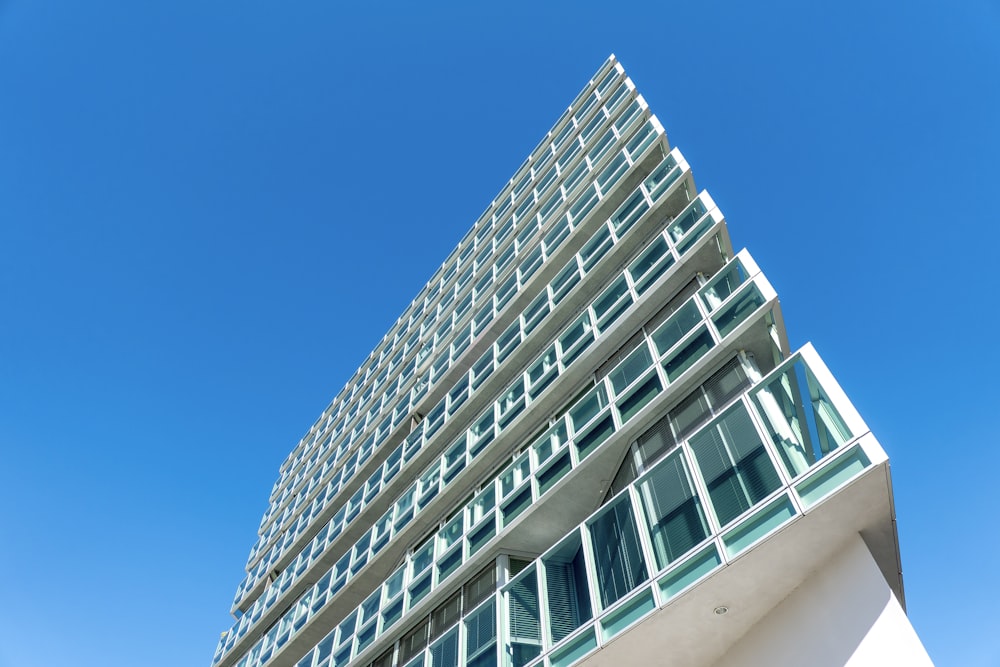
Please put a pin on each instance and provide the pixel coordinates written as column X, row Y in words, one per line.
column 211, row 211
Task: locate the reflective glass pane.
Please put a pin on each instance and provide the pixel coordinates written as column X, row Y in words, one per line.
column 674, row 514
column 734, row 463
column 617, row 554
column 800, row 417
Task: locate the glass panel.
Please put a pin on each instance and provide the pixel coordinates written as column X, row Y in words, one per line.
column 733, row 314
column 734, row 464
column 554, row 472
column 452, row 532
column 684, row 320
column 542, row 372
column 480, row 636
column 617, row 554
column 567, row 588
column 688, row 354
column 575, row 339
column 640, row 397
column 444, row 653
column 662, row 178
column 673, row 511
column 689, row 572
column 588, row 407
column 482, row 504
column 758, row 525
column 723, row 284
column 633, row 209
column 595, row 248
column 524, row 620
column 511, row 478
column 628, row 614
column 612, row 302
column 800, row 418
column 596, row 434
column 550, row 442
column 422, row 557
column 832, row 477
column 394, row 584
column 687, row 219
column 629, row 370
column 575, row 649
column 564, row 282
column 413, row 642
column 651, row 264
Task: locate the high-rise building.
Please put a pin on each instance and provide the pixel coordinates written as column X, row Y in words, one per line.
column 586, row 441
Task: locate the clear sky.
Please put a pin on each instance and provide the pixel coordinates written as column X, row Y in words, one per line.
column 211, row 211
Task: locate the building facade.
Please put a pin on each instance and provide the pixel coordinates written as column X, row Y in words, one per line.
column 586, row 441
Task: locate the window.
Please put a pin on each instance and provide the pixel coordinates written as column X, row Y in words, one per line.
column 567, row 589
column 617, row 553
column 734, row 464
column 800, row 417
column 481, row 637
column 674, row 515
column 523, row 619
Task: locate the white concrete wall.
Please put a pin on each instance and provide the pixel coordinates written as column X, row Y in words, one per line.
column 842, row 616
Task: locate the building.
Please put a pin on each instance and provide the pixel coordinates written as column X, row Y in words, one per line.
column 586, row 441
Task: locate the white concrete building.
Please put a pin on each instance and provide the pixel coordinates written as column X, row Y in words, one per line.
column 586, row 441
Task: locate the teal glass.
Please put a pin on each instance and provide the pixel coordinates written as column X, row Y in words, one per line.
column 800, row 418
column 733, row 461
column 674, row 515
column 618, row 556
column 567, row 588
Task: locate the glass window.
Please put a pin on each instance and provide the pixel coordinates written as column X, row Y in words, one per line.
column 524, row 619
column 734, row 464
column 633, row 209
column 629, row 370
column 594, row 249
column 738, row 309
column 481, row 636
column 588, row 407
column 445, row 615
column 612, row 302
column 677, row 325
column 567, row 588
column 617, row 552
column 690, row 352
column 674, row 515
column 565, row 280
column 800, row 417
column 722, row 285
column 413, row 642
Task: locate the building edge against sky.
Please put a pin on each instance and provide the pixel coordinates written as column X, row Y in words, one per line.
column 585, row 441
